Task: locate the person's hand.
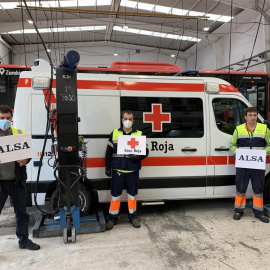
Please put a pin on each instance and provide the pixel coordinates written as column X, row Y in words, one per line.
column 133, row 157
column 22, row 162
column 108, row 172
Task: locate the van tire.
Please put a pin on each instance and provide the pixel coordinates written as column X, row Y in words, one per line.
column 85, row 199
column 266, row 192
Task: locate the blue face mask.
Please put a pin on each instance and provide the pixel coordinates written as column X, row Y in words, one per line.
column 5, row 124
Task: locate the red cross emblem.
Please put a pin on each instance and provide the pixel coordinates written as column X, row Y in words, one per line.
column 156, row 117
column 133, row 143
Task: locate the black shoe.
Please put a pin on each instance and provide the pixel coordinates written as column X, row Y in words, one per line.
column 237, row 216
column 29, row 245
column 264, row 219
column 109, row 225
column 135, row 223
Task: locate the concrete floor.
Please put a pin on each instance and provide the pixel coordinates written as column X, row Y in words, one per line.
column 198, row 234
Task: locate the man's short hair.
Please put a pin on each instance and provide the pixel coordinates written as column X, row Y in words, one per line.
column 250, row 109
column 5, row 109
column 128, row 112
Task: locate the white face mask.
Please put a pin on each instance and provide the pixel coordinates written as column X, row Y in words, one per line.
column 127, row 124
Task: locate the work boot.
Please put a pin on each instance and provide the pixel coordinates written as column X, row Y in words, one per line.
column 237, row 216
column 29, row 245
column 109, row 225
column 135, row 223
column 264, row 219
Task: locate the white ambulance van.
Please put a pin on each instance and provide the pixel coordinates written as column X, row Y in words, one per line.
column 188, row 121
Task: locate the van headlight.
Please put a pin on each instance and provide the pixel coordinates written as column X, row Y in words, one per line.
column 40, row 83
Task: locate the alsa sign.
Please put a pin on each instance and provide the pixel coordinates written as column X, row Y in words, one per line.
column 250, row 158
column 13, row 148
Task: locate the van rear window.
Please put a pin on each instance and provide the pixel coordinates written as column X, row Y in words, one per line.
column 183, row 117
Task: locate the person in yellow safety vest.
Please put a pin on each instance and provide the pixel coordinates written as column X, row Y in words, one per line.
column 124, row 170
column 251, row 135
column 13, row 183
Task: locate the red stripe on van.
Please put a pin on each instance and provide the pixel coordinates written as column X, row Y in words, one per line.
column 227, row 88
column 25, row 82
column 231, row 160
column 154, row 161
column 159, row 86
column 172, row 161
column 102, row 85
column 137, row 86
column 217, row 160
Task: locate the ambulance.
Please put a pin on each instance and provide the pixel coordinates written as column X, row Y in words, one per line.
column 188, row 123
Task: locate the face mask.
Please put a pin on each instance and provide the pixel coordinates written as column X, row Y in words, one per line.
column 5, row 124
column 127, row 124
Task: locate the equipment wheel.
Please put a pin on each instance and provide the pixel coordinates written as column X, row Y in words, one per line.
column 73, row 235
column 65, row 236
column 84, row 196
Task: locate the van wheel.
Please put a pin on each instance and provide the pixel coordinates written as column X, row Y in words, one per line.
column 84, row 195
column 266, row 192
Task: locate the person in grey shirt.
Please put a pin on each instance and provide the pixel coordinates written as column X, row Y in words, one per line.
column 13, row 183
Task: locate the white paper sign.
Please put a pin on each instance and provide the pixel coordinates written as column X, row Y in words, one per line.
column 250, row 158
column 128, row 144
column 15, row 147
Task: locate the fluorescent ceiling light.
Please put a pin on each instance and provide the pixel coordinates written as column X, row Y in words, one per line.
column 206, row 29
column 172, row 55
column 174, row 11
column 30, row 21
column 71, row 3
column 162, row 9
column 59, row 29
column 115, row 54
column 155, row 34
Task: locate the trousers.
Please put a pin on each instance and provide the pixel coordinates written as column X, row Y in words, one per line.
column 120, row 181
column 17, row 194
column 257, row 180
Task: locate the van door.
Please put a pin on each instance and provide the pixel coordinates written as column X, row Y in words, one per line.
column 226, row 112
column 171, row 114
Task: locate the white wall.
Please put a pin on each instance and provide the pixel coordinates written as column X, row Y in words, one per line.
column 96, row 54
column 4, row 53
column 206, row 59
column 216, row 55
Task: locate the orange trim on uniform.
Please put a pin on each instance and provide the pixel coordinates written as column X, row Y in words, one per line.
column 115, row 205
column 240, row 201
column 257, row 201
column 249, row 129
column 132, row 204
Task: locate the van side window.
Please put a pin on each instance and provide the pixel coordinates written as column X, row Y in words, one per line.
column 228, row 114
column 186, row 116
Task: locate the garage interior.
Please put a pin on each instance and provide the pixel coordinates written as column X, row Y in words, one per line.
column 213, row 35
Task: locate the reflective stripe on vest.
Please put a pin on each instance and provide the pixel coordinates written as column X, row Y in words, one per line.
column 16, row 131
column 257, row 141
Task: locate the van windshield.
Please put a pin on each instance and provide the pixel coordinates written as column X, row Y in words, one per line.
column 229, row 113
